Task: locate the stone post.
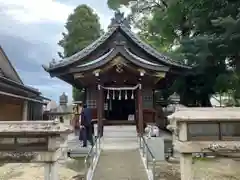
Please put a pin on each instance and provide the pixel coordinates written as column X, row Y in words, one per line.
column 51, row 171
column 47, row 171
column 34, row 142
column 186, row 166
column 185, row 158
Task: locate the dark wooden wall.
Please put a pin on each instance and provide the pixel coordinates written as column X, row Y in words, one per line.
column 10, row 109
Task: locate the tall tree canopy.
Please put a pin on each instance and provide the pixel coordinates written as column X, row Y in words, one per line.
column 83, row 28
column 203, row 33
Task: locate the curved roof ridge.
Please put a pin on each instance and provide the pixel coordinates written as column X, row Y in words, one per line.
column 141, row 59
column 126, row 54
column 84, row 52
column 97, row 60
column 149, row 49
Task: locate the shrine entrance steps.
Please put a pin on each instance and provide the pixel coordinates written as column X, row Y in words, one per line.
column 120, row 158
column 119, row 137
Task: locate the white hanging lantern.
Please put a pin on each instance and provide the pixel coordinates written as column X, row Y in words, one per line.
column 113, row 95
column 108, row 96
column 119, row 97
column 132, row 96
column 126, row 97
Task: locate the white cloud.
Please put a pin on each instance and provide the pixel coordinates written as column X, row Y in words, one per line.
column 29, row 11
column 41, row 22
column 35, row 11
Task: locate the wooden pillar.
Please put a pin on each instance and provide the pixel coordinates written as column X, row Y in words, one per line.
column 25, row 111
column 153, row 99
column 140, row 111
column 136, row 109
column 100, row 110
column 85, row 96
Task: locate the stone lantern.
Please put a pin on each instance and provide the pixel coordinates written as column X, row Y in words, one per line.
column 63, row 99
column 34, row 142
column 204, row 130
column 174, row 98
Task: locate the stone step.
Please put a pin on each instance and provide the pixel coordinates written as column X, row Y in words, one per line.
column 120, row 136
column 120, row 139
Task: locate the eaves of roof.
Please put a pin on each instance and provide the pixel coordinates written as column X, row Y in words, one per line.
column 21, row 86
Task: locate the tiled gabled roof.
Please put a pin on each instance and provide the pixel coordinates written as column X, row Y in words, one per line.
column 1, row 73
column 89, row 49
column 7, row 68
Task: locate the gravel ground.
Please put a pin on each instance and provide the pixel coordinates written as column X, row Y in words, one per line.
column 68, row 170
column 203, row 169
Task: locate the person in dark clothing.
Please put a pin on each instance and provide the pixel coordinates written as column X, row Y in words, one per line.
column 61, row 119
column 86, row 126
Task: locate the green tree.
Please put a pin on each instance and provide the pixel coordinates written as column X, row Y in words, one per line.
column 206, row 34
column 83, row 28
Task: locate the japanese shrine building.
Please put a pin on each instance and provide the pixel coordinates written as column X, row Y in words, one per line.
column 119, row 73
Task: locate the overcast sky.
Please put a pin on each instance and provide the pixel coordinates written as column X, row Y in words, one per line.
column 29, row 32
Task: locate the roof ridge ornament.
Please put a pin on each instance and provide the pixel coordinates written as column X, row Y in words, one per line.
column 53, row 62
column 119, row 19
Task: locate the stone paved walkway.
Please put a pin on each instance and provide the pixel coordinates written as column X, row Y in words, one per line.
column 119, row 138
column 120, row 158
column 120, row 165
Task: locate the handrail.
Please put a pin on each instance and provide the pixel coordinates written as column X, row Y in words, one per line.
column 146, row 151
column 91, row 154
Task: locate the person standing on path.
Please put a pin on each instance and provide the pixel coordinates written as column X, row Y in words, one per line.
column 86, row 125
column 80, row 110
column 74, row 121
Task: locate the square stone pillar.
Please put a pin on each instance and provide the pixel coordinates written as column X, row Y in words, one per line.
column 51, row 171
column 34, row 142
column 185, row 158
column 186, row 166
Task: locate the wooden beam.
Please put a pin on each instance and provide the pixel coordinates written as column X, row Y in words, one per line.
column 142, row 72
column 97, row 72
column 118, row 60
column 78, row 75
column 159, row 76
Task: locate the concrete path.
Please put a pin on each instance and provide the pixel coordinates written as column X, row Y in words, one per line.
column 120, row 158
column 119, row 138
column 120, row 165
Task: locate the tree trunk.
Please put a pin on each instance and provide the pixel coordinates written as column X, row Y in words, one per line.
column 205, row 101
column 188, row 99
